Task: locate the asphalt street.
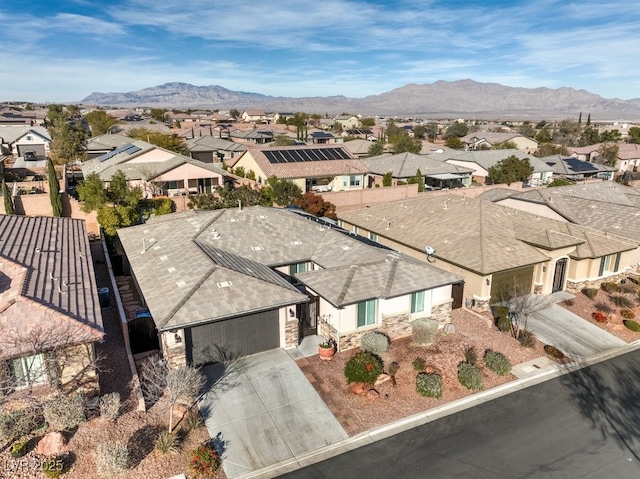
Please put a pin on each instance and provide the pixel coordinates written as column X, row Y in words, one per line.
column 585, row 424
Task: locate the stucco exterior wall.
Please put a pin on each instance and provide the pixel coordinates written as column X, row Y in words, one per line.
column 353, row 199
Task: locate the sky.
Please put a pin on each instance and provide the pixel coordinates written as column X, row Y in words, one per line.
column 63, row 50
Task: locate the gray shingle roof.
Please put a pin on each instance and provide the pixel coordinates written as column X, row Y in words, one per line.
column 489, row 158
column 405, row 165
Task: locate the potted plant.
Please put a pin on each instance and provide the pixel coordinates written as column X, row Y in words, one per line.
column 327, row 349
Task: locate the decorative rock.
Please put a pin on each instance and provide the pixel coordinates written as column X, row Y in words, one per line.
column 383, row 378
column 357, row 388
column 372, row 395
column 449, row 328
column 52, row 444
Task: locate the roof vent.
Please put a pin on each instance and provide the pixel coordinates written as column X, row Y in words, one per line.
column 215, row 234
column 171, row 269
column 257, row 248
column 224, row 284
column 232, row 220
column 296, row 242
column 346, row 248
column 181, row 284
column 164, row 257
column 262, row 217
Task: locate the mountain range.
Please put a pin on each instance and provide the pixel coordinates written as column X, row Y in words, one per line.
column 456, row 99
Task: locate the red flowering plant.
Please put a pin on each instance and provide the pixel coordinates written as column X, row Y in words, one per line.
column 363, row 367
column 599, row 316
column 204, row 461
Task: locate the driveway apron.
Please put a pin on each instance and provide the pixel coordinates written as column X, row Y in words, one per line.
column 261, row 410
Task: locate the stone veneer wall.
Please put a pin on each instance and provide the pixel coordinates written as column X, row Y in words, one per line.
column 174, row 354
column 291, row 333
column 481, row 304
column 577, row 286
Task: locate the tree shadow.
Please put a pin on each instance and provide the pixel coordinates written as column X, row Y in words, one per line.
column 606, row 394
column 220, row 445
column 141, row 443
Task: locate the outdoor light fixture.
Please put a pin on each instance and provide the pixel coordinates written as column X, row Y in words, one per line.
column 544, row 269
column 177, row 338
column 488, row 281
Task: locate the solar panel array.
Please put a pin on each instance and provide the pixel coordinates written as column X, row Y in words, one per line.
column 579, row 166
column 128, row 148
column 297, row 156
column 357, row 131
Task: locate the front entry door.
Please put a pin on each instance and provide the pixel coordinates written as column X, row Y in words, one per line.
column 558, row 276
column 308, row 317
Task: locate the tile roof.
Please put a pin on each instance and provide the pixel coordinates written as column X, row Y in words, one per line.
column 47, row 277
column 405, row 165
column 493, row 138
column 11, row 133
column 570, row 166
column 211, row 143
column 188, row 256
column 489, row 158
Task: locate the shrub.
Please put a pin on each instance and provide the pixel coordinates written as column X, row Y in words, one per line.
column 590, row 292
column 111, row 458
column 470, row 376
column 193, row 421
column 418, row 364
column 110, row 406
column 470, row 355
column 554, row 352
column 632, row 325
column 167, row 443
column 527, row 338
column 610, row 287
column 204, row 461
column 19, row 448
column 374, row 342
column 500, row 312
column 504, row 324
column 54, row 466
column 627, row 314
column 603, row 307
column 621, row 301
column 64, row 413
column 497, row 362
column 20, row 423
column 569, row 302
column 363, row 367
column 599, row 317
column 429, row 385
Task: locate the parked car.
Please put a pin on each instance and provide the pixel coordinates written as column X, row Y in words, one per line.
column 30, row 156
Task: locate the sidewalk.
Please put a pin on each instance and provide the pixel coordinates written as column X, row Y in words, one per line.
column 529, row 374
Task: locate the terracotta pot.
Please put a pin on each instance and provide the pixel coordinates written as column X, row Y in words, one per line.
column 326, row 354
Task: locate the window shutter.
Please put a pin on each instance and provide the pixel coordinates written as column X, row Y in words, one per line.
column 601, row 266
column 617, row 266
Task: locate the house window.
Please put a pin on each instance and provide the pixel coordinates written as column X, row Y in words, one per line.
column 28, row 370
column 297, row 268
column 606, row 263
column 29, row 138
column 373, row 236
column 417, row 302
column 355, row 180
column 173, row 185
column 366, row 313
column 355, row 230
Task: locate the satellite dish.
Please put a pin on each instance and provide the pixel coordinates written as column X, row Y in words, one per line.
column 429, row 250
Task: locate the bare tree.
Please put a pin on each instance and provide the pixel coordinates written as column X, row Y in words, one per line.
column 521, row 307
column 161, row 384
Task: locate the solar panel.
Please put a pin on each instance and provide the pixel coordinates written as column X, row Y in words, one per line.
column 305, row 154
column 579, row 166
column 128, row 148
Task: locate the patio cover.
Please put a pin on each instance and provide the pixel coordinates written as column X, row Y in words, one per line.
column 445, row 176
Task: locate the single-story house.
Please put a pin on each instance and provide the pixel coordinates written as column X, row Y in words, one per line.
column 498, row 251
column 485, row 140
column 9, row 116
column 348, row 122
column 628, row 155
column 437, row 173
column 50, row 316
column 100, row 145
column 480, row 161
column 16, row 140
column 358, row 148
column 308, row 166
column 239, row 281
column 212, row 149
column 324, row 138
column 259, row 137
column 572, row 168
column 156, row 170
column 255, row 116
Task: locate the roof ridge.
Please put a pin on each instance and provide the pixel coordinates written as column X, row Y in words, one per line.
column 391, row 277
column 482, row 236
column 347, row 283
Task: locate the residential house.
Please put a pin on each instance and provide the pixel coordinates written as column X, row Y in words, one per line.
column 9, row 116
column 156, row 170
column 498, row 251
column 258, row 137
column 575, row 169
column 324, row 138
column 437, row 174
column 480, row 161
column 628, row 155
column 50, row 316
column 211, row 149
column 239, row 281
column 100, row 145
column 308, row 166
column 348, row 122
column 253, row 116
column 480, row 140
column 16, row 140
column 358, row 148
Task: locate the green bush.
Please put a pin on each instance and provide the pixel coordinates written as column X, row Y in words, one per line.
column 497, row 362
column 470, row 355
column 632, row 325
column 610, row 287
column 627, row 314
column 504, row 324
column 18, row 423
column 204, row 461
column 167, row 443
column 590, row 292
column 375, row 342
column 621, row 301
column 363, row 367
column 418, row 364
column 63, row 413
column 54, row 467
column 429, row 385
column 19, row 448
column 112, row 458
column 470, row 376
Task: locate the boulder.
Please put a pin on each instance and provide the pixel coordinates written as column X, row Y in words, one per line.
column 52, row 444
column 357, row 388
column 372, row 395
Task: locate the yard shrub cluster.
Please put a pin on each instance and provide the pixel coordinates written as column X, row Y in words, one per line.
column 501, row 318
column 429, row 385
column 110, row 406
column 632, row 325
column 18, row 423
column 112, row 458
column 375, row 342
column 470, row 355
column 590, row 292
column 419, row 364
column 470, row 376
column 599, row 317
column 63, row 413
column 363, row 367
column 603, row 307
column 554, row 352
column 204, row 461
column 527, row 338
column 627, row 314
column 610, row 287
column 497, row 362
column 167, row 443
column 621, row 301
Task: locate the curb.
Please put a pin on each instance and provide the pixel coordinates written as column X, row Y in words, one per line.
column 401, row 425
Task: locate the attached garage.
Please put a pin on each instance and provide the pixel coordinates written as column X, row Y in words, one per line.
column 235, row 337
column 514, row 282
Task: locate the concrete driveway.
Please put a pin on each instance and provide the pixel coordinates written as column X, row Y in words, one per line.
column 574, row 336
column 264, row 411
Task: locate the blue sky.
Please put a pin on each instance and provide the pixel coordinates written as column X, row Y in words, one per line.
column 63, row 50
